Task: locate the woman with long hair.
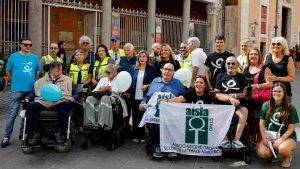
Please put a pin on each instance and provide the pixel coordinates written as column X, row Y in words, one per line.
column 142, row 75
column 278, row 115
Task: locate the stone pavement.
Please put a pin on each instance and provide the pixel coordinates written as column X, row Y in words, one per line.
column 130, row 156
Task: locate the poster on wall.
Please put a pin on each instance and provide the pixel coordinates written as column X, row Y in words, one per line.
column 158, row 30
column 263, row 21
column 115, row 25
column 191, row 29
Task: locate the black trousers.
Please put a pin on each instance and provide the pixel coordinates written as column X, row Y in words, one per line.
column 137, row 132
column 33, row 114
column 154, row 133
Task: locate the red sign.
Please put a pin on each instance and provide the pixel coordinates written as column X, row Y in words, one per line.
column 263, row 22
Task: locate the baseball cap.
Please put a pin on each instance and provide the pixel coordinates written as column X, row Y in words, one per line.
column 115, row 38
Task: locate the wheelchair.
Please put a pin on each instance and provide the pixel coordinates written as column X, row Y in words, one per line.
column 112, row 138
column 48, row 124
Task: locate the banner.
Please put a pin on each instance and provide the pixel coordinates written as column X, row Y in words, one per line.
column 158, row 32
column 115, row 24
column 151, row 114
column 194, row 129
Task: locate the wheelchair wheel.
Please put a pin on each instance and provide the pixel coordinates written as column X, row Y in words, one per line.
column 66, row 147
column 25, row 148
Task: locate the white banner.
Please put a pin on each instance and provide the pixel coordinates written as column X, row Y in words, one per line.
column 194, row 129
column 151, row 114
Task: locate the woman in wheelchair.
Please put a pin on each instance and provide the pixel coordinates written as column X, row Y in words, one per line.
column 279, row 116
column 98, row 112
column 62, row 106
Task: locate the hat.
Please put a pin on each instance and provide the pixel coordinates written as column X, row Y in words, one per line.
column 115, row 38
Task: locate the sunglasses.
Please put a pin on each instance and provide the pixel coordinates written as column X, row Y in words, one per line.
column 53, row 48
column 85, row 43
column 107, row 72
column 277, row 44
column 27, row 44
column 230, row 63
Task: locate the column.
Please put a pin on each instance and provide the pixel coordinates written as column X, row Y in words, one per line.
column 186, row 19
column 106, row 23
column 151, row 24
column 35, row 21
column 212, row 10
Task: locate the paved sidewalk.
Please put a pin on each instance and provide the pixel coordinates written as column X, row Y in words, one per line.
column 130, row 156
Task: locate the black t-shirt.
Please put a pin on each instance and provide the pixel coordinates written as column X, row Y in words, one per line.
column 230, row 84
column 159, row 65
column 191, row 97
column 62, row 51
column 216, row 62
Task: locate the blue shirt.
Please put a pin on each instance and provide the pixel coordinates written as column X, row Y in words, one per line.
column 125, row 64
column 157, row 85
column 23, row 70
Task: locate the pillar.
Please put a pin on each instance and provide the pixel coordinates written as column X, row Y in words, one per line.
column 151, row 24
column 35, row 25
column 106, row 23
column 212, row 10
column 186, row 19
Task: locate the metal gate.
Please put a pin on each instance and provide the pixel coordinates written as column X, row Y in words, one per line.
column 13, row 25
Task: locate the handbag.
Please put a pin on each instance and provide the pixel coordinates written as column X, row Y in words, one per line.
column 260, row 95
column 273, row 135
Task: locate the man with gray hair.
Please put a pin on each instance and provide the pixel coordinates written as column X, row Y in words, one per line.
column 198, row 57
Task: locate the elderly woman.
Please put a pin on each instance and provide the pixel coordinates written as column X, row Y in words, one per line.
column 243, row 58
column 85, row 43
column 142, row 75
column 279, row 116
column 281, row 64
column 167, row 56
column 98, row 113
column 102, row 60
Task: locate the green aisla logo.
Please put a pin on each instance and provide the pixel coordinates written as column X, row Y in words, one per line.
column 159, row 97
column 196, row 130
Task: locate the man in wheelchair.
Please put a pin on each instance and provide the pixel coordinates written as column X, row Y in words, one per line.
column 62, row 106
column 233, row 84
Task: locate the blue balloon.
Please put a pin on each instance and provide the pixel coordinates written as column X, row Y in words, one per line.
column 51, row 92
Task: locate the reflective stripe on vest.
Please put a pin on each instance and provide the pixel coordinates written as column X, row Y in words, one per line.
column 73, row 74
column 101, row 69
column 121, row 53
column 49, row 59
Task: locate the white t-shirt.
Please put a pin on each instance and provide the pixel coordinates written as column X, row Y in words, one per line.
column 138, row 90
column 105, row 82
column 198, row 59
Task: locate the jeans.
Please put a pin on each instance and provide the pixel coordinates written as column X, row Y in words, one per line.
column 14, row 105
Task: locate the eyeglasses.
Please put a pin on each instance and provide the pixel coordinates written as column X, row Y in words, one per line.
column 85, row 43
column 107, row 72
column 53, row 48
column 230, row 63
column 27, row 44
column 277, row 44
column 167, row 69
column 182, row 47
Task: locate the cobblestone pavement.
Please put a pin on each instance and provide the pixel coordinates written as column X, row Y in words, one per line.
column 130, row 156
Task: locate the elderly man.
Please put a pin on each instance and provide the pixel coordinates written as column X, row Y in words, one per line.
column 22, row 68
column 166, row 83
column 129, row 60
column 47, row 59
column 63, row 105
column 233, row 84
column 115, row 52
column 198, row 57
column 215, row 62
column 155, row 54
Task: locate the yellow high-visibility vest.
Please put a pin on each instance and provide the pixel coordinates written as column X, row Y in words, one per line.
column 74, row 70
column 121, row 53
column 99, row 69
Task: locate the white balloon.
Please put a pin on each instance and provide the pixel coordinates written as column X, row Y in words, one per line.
column 123, row 81
column 184, row 75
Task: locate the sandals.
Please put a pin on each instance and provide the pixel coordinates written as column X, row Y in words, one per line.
column 287, row 165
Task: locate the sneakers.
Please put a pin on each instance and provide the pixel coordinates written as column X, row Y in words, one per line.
column 33, row 141
column 237, row 144
column 225, row 144
column 158, row 154
column 5, row 142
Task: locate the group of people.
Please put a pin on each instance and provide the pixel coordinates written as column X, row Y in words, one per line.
column 220, row 78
